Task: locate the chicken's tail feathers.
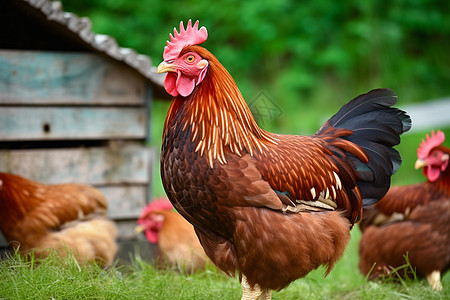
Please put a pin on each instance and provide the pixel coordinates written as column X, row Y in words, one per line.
column 376, row 127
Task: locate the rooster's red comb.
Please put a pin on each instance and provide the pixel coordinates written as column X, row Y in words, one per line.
column 429, row 143
column 186, row 37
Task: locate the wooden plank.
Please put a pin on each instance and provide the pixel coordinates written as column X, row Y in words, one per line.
column 125, row 202
column 117, row 164
column 56, row 123
column 37, row 77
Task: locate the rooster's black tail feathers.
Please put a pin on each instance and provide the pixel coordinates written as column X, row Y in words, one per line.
column 376, row 127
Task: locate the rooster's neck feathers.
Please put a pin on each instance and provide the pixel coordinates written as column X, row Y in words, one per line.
column 218, row 116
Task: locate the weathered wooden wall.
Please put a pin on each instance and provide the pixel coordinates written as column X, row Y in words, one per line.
column 56, row 78
column 68, row 123
column 78, row 117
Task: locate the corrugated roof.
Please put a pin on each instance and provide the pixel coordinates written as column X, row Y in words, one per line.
column 82, row 27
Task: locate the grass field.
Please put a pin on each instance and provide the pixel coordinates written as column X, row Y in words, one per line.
column 51, row 279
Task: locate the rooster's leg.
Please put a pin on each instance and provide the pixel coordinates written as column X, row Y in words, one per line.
column 434, row 279
column 255, row 293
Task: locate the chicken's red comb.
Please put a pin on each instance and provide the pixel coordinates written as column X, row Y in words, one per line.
column 186, row 37
column 429, row 143
column 160, row 204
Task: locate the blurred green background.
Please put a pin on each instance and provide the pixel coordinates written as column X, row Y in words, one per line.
column 309, row 57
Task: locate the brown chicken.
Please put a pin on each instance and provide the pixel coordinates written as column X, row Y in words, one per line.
column 66, row 217
column 272, row 207
column 178, row 245
column 413, row 220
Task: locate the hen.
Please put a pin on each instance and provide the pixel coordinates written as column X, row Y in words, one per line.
column 413, row 220
column 272, row 207
column 177, row 242
column 66, row 217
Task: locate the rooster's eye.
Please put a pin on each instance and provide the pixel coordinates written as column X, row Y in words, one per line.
column 190, row 58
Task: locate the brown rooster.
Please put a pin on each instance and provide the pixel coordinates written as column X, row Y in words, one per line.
column 66, row 217
column 178, row 244
column 272, row 207
column 413, row 220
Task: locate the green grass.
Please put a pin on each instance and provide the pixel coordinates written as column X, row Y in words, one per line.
column 51, row 279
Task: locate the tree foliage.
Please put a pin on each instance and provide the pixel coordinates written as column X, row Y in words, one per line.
column 299, row 51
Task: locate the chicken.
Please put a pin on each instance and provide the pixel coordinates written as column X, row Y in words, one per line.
column 412, row 220
column 66, row 217
column 271, row 207
column 423, row 237
column 433, row 158
column 178, row 244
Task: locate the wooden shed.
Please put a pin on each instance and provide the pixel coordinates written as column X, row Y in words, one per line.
column 75, row 107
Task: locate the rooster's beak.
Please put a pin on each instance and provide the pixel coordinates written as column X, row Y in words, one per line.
column 420, row 163
column 139, row 229
column 165, row 67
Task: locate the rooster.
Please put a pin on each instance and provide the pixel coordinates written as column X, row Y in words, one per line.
column 271, row 207
column 64, row 218
column 412, row 220
column 177, row 242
